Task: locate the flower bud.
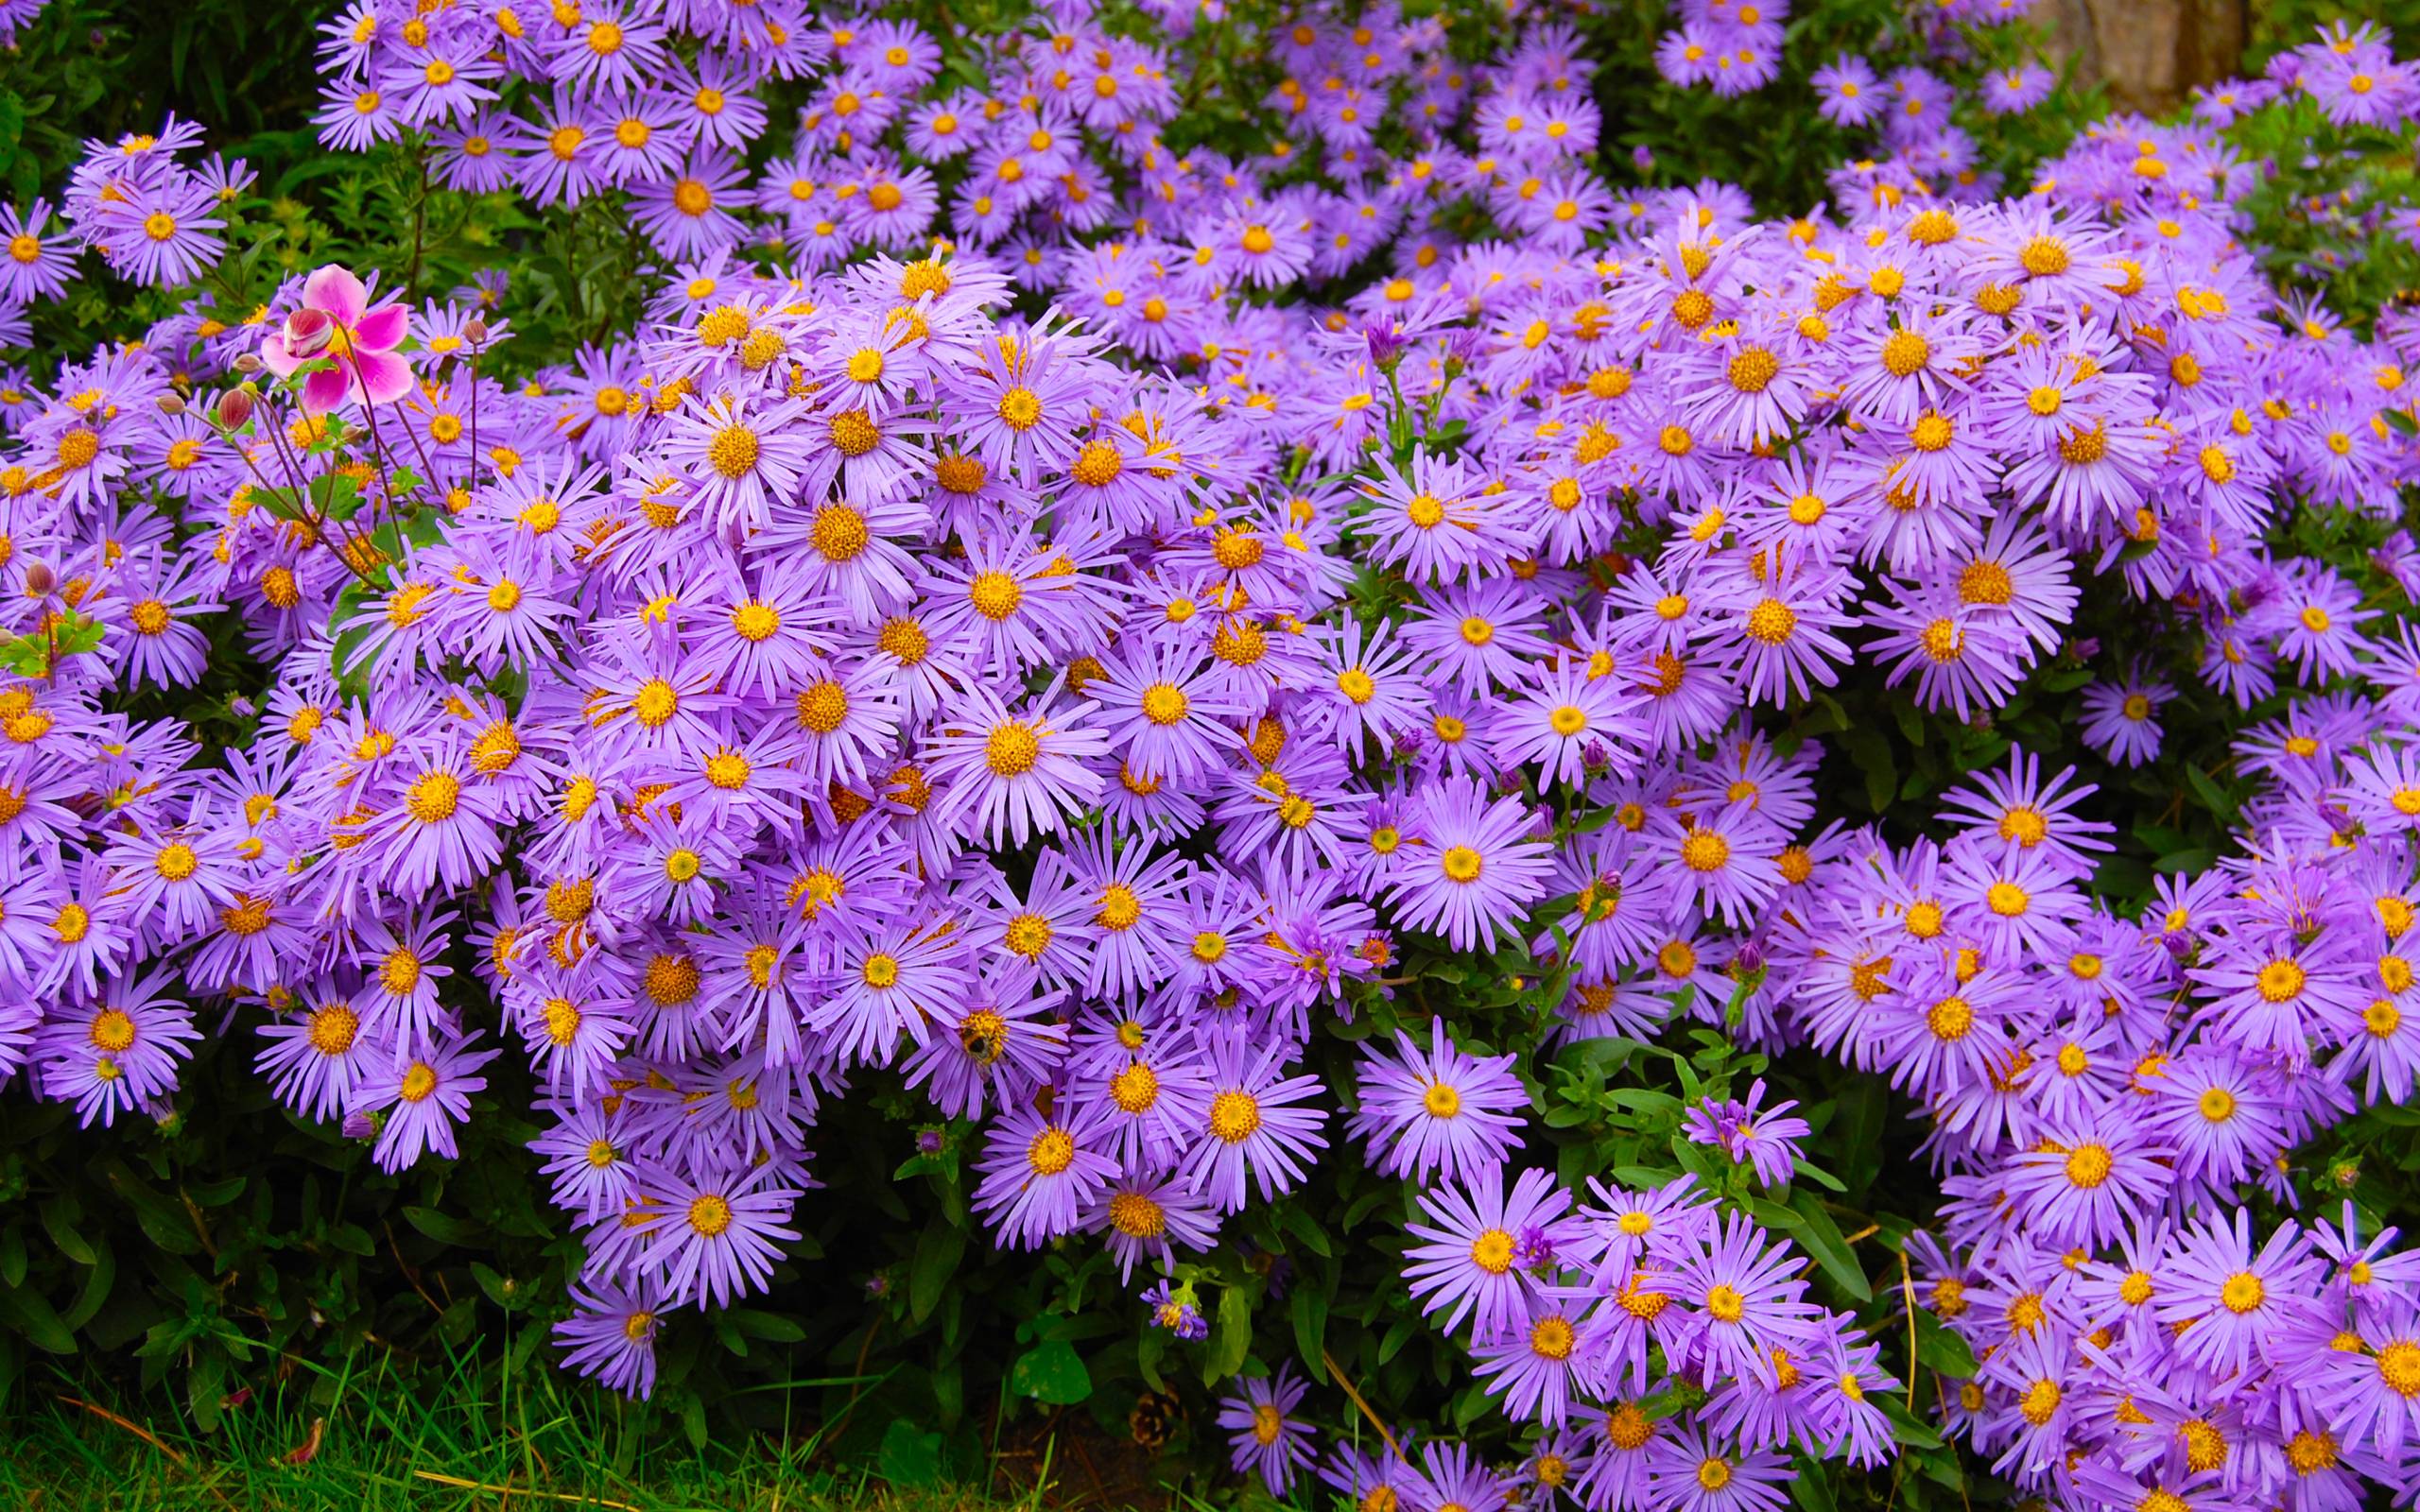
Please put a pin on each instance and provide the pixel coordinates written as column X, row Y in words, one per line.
column 1385, row 343
column 39, row 579
column 248, row 363
column 235, row 407
column 476, row 333
column 308, row 333
column 171, row 405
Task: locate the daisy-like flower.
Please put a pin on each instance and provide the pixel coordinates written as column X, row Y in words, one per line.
column 1466, row 1263
column 611, row 1336
column 1435, row 522
column 422, row 1097
column 1476, row 869
column 1539, row 1366
column 1015, row 774
column 2121, row 719
column 1148, row 1217
column 1439, row 1110
column 1041, row 1174
column 1724, row 858
column 2374, row 1392
column 1574, row 724
column 1787, row 622
column 2087, row 1183
column 1264, row 1436
column 741, row 455
column 717, row 1237
column 1749, row 1133
column 1167, row 721
column 2273, row 996
column 1483, row 637
column 2229, row 1305
column 1256, row 1129
column 118, row 1054
column 1959, row 661
column 1690, row 1471
column 1748, row 1302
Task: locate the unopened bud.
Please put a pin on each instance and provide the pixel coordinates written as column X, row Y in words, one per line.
column 235, row 407
column 39, row 579
column 308, row 332
column 248, row 363
column 476, row 333
column 171, row 405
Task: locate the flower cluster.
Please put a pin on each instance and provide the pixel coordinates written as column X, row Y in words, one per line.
column 2099, row 1090
column 1071, row 710
column 152, row 218
column 1060, row 147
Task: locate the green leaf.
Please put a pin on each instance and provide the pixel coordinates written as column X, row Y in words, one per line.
column 1941, row 1350
column 501, row 1290
column 99, row 1277
column 77, row 636
column 443, row 1227
column 937, row 1251
column 2213, row 797
column 770, row 1327
column 1871, row 754
column 1821, row 1237
column 31, row 1316
column 1810, row 1487
column 1051, row 1373
column 58, row 1221
column 1299, row 1223
column 1229, row 1337
column 1909, row 1430
column 1309, row 1306
column 25, row 656
column 909, row 1456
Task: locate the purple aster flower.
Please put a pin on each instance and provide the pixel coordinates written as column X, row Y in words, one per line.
column 1255, row 1128
column 1040, row 1175
column 1476, row 869
column 1439, row 1110
column 1766, row 1137
column 1464, row 1264
column 422, row 1098
column 713, row 1238
column 1266, row 1437
column 1176, row 1311
column 610, row 1338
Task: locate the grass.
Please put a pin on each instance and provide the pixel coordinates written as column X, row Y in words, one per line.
column 467, row 1432
column 461, row 1436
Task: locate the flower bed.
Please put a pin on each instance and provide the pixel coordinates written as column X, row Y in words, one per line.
column 1306, row 701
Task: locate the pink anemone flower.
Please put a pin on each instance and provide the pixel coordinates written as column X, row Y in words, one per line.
column 336, row 322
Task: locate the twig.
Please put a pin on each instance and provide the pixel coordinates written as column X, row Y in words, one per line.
column 1908, row 1290
column 864, row 1347
column 1101, row 1489
column 136, row 1429
column 500, row 1492
column 420, row 225
column 1338, row 1372
column 410, row 1274
column 201, row 1226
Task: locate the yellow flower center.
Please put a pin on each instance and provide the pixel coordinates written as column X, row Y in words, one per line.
column 1235, row 1116
column 1011, row 749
